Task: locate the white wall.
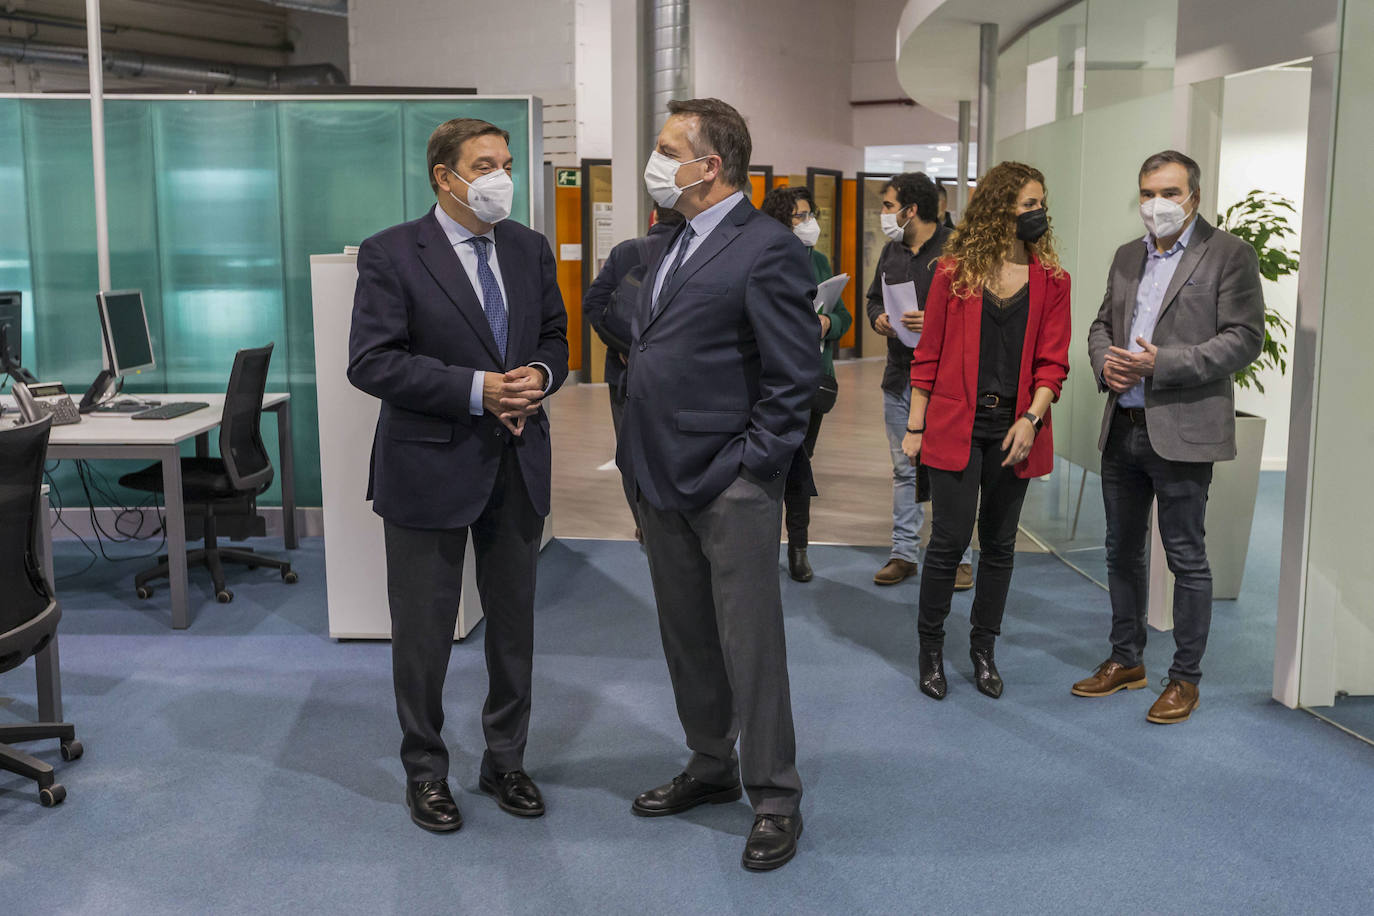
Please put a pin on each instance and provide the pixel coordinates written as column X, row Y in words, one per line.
column 1218, row 39
column 592, row 78
column 1264, row 146
column 785, row 64
column 873, row 75
column 520, row 46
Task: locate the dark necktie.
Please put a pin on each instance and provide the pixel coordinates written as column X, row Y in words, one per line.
column 687, row 235
column 492, row 302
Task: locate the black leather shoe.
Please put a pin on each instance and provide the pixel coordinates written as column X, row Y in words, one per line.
column 683, row 794
column 772, row 843
column 798, row 566
column 933, row 673
column 985, row 672
column 432, row 806
column 515, row 792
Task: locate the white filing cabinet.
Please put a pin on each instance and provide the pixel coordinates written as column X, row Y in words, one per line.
column 355, row 558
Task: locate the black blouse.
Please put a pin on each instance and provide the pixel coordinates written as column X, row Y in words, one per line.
column 1002, row 337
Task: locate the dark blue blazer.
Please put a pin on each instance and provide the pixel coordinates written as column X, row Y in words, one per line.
column 418, row 335
column 623, row 259
column 722, row 375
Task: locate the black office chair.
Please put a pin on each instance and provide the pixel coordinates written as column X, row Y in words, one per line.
column 28, row 611
column 233, row 481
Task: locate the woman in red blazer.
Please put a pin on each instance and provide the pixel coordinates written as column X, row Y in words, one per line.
column 992, row 358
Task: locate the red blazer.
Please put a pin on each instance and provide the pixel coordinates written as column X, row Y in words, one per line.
column 946, row 364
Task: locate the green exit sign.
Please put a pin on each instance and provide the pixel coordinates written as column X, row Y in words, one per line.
column 567, row 178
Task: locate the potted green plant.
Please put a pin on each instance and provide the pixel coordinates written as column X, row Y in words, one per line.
column 1265, row 221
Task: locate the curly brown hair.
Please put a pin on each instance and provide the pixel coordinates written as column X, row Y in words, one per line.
column 988, row 229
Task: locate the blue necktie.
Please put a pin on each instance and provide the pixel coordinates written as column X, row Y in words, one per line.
column 492, row 302
column 687, row 235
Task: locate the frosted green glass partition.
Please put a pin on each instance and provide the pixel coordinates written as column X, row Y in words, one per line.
column 1112, row 105
column 216, row 204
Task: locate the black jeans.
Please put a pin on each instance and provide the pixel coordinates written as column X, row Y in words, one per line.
column 954, row 498
column 801, row 486
column 1133, row 478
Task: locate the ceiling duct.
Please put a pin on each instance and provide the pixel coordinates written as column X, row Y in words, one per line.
column 326, row 7
column 186, row 70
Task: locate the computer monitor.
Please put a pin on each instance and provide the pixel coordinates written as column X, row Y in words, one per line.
column 124, row 327
column 12, row 335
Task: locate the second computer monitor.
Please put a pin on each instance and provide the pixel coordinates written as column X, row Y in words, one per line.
column 12, row 323
column 124, row 324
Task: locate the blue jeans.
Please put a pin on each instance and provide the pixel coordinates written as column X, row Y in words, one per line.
column 907, row 514
column 1134, row 477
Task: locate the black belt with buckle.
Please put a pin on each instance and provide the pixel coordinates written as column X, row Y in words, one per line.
column 993, row 401
column 1135, row 414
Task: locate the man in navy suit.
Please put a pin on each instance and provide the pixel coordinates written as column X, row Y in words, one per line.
column 459, row 329
column 723, row 365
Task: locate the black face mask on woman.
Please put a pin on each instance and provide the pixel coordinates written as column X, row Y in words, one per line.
column 1032, row 224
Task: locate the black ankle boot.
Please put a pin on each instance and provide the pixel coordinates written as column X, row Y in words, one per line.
column 798, row 566
column 933, row 673
column 985, row 672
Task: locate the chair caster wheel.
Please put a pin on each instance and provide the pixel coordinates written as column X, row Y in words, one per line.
column 143, row 592
column 52, row 796
column 224, row 597
column 72, row 750
column 289, row 576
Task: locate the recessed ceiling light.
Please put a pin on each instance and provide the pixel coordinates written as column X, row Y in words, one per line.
column 943, row 149
column 934, row 168
column 936, row 159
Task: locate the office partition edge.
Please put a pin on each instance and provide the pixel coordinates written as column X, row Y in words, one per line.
column 1289, row 648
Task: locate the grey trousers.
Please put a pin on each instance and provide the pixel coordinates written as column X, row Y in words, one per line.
column 715, row 576
column 617, row 416
column 424, row 571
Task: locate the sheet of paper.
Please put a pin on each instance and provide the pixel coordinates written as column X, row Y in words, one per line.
column 828, row 293
column 898, row 299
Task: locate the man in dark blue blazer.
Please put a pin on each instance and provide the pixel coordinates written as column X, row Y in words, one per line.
column 459, row 329
column 724, row 363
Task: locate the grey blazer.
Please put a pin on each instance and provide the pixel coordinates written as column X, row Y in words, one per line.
column 1210, row 326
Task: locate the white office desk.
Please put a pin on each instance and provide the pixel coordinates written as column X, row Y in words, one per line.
column 113, row 435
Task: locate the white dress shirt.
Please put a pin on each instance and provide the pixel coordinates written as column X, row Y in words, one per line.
column 458, row 236
column 702, row 224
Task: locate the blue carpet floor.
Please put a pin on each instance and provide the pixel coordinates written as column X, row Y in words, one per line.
column 249, row 765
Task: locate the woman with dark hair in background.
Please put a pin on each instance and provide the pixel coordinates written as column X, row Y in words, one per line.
column 996, row 324
column 795, row 208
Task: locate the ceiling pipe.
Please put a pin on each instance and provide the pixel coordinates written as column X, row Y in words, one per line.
column 137, row 65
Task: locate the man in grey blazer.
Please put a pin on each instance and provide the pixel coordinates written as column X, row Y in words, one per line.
column 1183, row 312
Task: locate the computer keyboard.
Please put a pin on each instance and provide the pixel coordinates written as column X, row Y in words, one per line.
column 169, row 410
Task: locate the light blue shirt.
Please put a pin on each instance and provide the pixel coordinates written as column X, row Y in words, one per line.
column 458, row 236
column 1149, row 299
column 702, row 224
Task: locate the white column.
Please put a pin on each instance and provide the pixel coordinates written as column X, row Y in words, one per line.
column 95, row 61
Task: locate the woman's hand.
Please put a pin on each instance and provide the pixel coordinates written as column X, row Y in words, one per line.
column 825, row 325
column 911, row 446
column 1018, row 441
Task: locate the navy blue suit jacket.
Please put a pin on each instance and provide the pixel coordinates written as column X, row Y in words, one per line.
column 418, row 335
column 722, row 375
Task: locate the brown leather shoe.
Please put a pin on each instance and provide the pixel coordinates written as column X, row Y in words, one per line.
column 963, row 577
column 894, row 571
column 1175, row 704
column 1110, row 677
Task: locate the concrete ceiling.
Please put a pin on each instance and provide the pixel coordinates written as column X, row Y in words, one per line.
column 937, row 45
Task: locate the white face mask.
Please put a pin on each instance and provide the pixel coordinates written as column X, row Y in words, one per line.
column 809, row 231
column 660, row 178
column 891, row 228
column 489, row 197
column 1162, row 217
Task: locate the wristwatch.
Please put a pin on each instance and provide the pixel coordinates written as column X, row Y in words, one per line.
column 1035, row 421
